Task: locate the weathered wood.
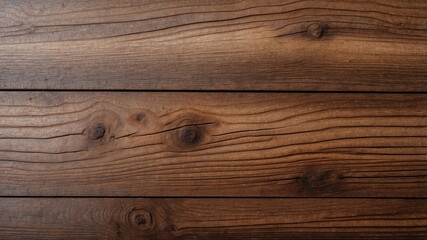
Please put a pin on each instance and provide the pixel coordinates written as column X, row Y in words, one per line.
column 33, row 218
column 376, row 45
column 213, row 144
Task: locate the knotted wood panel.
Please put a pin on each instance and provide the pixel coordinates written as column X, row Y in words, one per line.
column 322, row 45
column 213, row 144
column 97, row 218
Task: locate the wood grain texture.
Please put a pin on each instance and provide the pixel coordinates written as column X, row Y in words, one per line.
column 213, row 144
column 212, row 219
column 376, row 45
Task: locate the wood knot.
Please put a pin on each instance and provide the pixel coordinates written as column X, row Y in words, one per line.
column 141, row 219
column 316, row 31
column 139, row 117
column 97, row 132
column 319, row 179
column 191, row 135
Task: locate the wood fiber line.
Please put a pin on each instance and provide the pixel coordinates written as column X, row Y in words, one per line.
column 213, row 144
column 35, row 218
column 289, row 45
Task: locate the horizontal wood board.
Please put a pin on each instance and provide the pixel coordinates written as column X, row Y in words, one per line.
column 32, row 218
column 213, row 144
column 275, row 45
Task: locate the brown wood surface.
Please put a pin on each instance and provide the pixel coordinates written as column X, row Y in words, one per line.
column 334, row 45
column 32, row 218
column 213, row 144
column 216, row 156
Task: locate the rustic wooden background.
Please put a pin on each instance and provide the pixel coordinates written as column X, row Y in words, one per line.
column 223, row 119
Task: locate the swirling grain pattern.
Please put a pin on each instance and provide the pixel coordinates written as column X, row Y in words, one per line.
column 83, row 218
column 213, row 144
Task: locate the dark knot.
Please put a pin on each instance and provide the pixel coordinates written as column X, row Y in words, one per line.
column 315, row 31
column 191, row 135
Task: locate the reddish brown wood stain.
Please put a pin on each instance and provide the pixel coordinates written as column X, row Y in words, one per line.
column 222, row 119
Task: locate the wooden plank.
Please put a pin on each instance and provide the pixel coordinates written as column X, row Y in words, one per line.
column 35, row 218
column 213, row 144
column 376, row 45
